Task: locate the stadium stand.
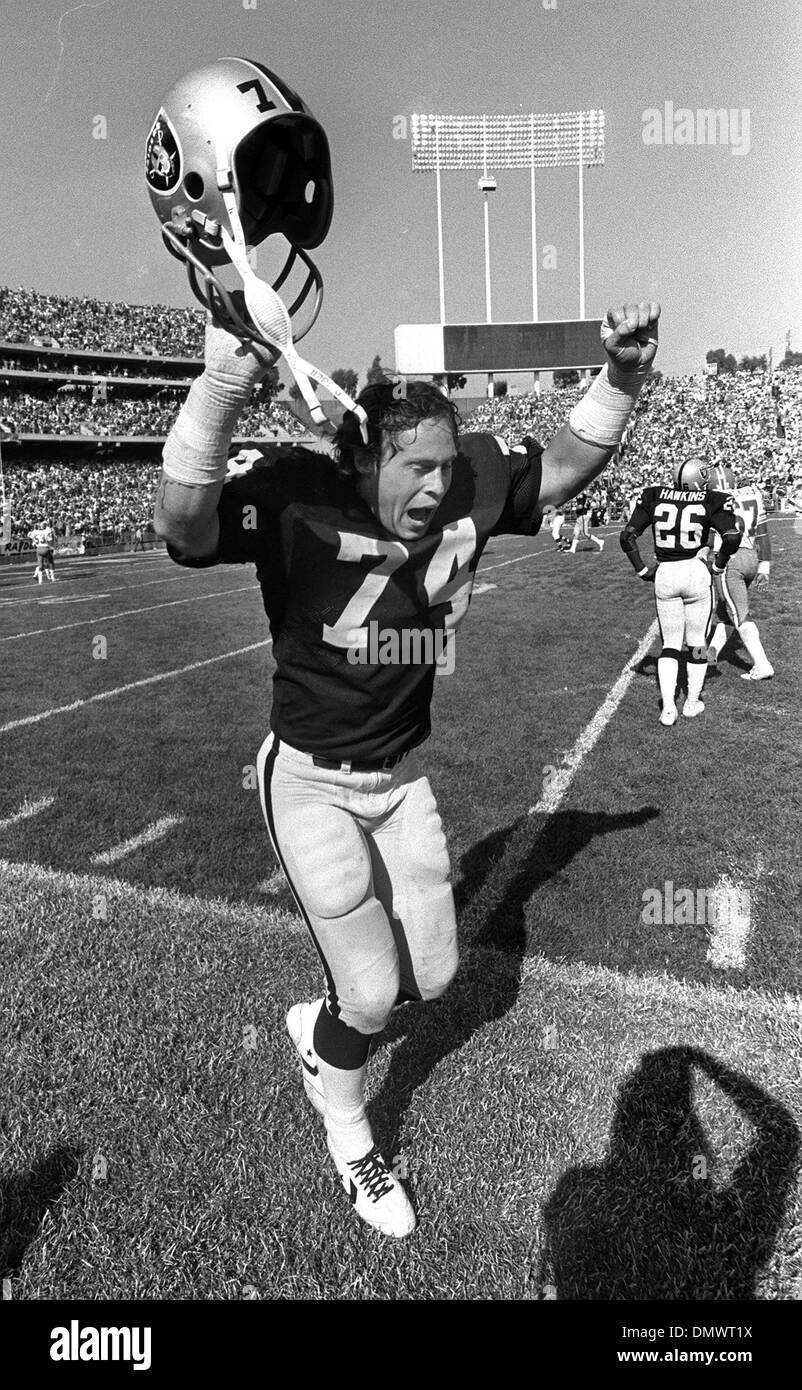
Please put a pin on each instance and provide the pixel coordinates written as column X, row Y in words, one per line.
column 88, row 391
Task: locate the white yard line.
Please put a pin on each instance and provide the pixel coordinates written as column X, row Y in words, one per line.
column 22, row 879
column 149, row 836
column 127, row 613
column 132, row 685
column 531, row 555
column 590, row 735
column 26, row 811
column 87, row 598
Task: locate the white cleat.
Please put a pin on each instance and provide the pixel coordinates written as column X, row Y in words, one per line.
column 376, row 1194
column 301, row 1026
column 669, row 715
column 758, row 673
column 693, row 707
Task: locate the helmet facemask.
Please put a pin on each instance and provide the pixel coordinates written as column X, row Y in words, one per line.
column 232, row 165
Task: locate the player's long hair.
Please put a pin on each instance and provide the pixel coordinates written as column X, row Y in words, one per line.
column 390, row 410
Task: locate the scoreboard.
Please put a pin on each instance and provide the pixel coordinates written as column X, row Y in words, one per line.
column 498, row 347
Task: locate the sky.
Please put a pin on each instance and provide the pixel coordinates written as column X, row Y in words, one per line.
column 712, row 230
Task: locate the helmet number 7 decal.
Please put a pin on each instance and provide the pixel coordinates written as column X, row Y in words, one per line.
column 443, row 583
column 263, row 104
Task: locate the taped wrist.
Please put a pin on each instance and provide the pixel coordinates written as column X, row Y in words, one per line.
column 601, row 415
column 196, row 449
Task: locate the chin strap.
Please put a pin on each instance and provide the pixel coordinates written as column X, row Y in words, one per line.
column 271, row 316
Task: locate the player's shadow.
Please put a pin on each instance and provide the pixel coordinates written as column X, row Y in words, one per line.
column 651, row 1222
column 498, row 876
column 26, row 1197
column 732, row 654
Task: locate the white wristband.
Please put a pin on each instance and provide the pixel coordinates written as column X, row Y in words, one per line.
column 196, row 449
column 764, row 567
column 601, row 415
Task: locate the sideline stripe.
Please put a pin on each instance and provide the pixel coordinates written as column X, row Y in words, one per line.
column 132, row 685
column 129, row 613
column 532, row 555
column 154, row 832
column 87, row 598
column 27, row 878
column 592, row 732
column 26, row 811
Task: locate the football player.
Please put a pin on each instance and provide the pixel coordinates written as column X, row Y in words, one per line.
column 582, row 510
column 383, row 537
column 43, row 538
column 681, row 518
column 554, row 518
column 751, row 564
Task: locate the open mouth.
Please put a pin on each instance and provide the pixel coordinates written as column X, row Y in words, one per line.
column 420, row 515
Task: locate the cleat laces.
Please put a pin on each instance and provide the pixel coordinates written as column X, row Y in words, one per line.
column 373, row 1174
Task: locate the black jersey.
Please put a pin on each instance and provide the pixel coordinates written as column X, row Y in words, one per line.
column 336, row 586
column 681, row 521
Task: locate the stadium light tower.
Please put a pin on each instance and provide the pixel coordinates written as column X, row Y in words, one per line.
column 552, row 140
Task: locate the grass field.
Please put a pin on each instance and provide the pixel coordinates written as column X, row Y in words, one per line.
column 602, row 1106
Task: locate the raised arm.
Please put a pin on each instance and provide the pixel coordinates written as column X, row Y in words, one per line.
column 583, row 447
column 196, row 449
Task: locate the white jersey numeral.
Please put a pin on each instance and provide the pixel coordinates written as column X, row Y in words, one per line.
column 690, row 529
column 457, row 546
column 349, row 630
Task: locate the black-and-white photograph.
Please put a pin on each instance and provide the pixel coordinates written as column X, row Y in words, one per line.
column 400, row 589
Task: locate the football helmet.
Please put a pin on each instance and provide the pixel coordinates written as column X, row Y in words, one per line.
column 692, row 475
column 721, row 478
column 233, row 157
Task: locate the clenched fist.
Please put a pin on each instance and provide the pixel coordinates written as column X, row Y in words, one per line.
column 629, row 335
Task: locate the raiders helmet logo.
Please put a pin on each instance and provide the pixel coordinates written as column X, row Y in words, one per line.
column 162, row 157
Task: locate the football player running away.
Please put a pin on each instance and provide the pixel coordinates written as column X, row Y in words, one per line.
column 681, row 518
column 751, row 564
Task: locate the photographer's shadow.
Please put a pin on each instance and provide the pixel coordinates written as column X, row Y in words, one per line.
column 27, row 1197
column 650, row 1222
column 498, row 876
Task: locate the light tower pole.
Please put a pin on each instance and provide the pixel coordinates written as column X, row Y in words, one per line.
column 544, row 140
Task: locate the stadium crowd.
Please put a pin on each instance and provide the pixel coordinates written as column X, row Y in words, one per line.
column 74, row 413
column 72, row 321
column 85, row 499
column 752, row 420
column 746, row 419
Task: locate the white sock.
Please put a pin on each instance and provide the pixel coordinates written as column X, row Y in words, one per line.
column 667, row 671
column 719, row 639
column 346, row 1120
column 750, row 637
column 697, row 670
